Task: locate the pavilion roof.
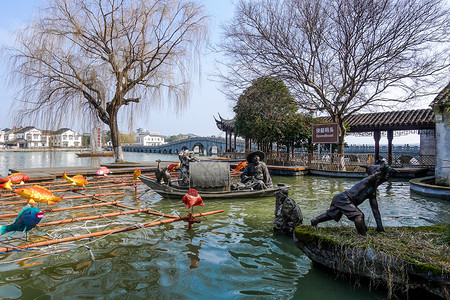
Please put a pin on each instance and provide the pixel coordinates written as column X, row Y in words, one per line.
column 225, row 124
column 443, row 98
column 392, row 120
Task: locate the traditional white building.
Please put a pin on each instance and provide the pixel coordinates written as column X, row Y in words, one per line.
column 31, row 137
column 2, row 138
column 146, row 138
column 64, row 137
column 27, row 137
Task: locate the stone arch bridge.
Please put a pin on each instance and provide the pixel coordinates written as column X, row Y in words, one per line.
column 202, row 145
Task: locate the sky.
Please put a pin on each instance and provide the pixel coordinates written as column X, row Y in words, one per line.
column 206, row 100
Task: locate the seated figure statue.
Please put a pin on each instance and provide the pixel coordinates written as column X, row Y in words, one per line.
column 256, row 174
column 347, row 202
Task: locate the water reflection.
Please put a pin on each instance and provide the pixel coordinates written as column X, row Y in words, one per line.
column 232, row 255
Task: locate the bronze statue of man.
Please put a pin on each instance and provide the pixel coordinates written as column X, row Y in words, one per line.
column 256, row 174
column 347, row 202
column 185, row 157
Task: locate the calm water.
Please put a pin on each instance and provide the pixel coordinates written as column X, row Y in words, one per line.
column 232, row 255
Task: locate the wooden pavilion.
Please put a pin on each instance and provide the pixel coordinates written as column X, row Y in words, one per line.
column 405, row 120
column 421, row 120
column 228, row 127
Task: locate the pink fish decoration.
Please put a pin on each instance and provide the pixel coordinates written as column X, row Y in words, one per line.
column 103, row 171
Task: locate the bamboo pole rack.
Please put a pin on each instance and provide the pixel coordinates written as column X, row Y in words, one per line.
column 96, row 202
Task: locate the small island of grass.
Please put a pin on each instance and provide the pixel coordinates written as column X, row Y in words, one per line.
column 402, row 258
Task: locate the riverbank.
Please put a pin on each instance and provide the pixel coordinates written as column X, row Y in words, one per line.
column 47, row 150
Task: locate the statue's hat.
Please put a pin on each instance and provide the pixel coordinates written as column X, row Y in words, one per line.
column 254, row 153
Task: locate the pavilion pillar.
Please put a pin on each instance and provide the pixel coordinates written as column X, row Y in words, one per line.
column 226, row 140
column 229, row 144
column 377, row 137
column 235, row 142
column 390, row 136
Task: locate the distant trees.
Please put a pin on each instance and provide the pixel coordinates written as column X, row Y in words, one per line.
column 89, row 58
column 340, row 56
column 267, row 114
column 295, row 131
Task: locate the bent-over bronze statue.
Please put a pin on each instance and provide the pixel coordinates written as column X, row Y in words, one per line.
column 347, row 202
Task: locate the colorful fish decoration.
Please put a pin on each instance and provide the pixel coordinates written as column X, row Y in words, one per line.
column 39, row 194
column 27, row 219
column 6, row 185
column 136, row 173
column 192, row 199
column 103, row 171
column 172, row 167
column 16, row 178
column 77, row 180
column 240, row 166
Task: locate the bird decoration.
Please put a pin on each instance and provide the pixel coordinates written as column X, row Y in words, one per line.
column 172, row 167
column 192, row 199
column 77, row 180
column 240, row 166
column 6, row 185
column 136, row 173
column 39, row 194
column 103, row 171
column 158, row 172
column 27, row 219
column 16, row 178
column 166, row 176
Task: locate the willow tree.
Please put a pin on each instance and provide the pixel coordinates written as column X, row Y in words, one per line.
column 83, row 58
column 340, row 57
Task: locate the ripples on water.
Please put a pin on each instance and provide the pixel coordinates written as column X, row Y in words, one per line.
column 232, row 255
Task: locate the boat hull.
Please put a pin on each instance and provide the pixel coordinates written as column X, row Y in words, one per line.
column 172, row 192
column 89, row 154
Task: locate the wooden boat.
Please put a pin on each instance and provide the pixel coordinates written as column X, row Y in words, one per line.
column 176, row 192
column 99, row 154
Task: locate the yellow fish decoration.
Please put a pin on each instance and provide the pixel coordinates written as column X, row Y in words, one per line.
column 39, row 194
column 77, row 180
column 6, row 185
column 136, row 173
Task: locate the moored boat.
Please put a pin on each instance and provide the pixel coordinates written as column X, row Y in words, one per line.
column 177, row 192
column 91, row 154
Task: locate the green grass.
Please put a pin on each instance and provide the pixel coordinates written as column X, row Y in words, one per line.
column 427, row 247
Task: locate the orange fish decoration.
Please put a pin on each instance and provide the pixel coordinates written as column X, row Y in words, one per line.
column 192, row 199
column 6, row 185
column 136, row 173
column 240, row 166
column 39, row 194
column 77, row 180
column 16, row 178
column 172, row 167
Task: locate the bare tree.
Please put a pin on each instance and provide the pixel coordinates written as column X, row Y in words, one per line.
column 340, row 56
column 84, row 58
